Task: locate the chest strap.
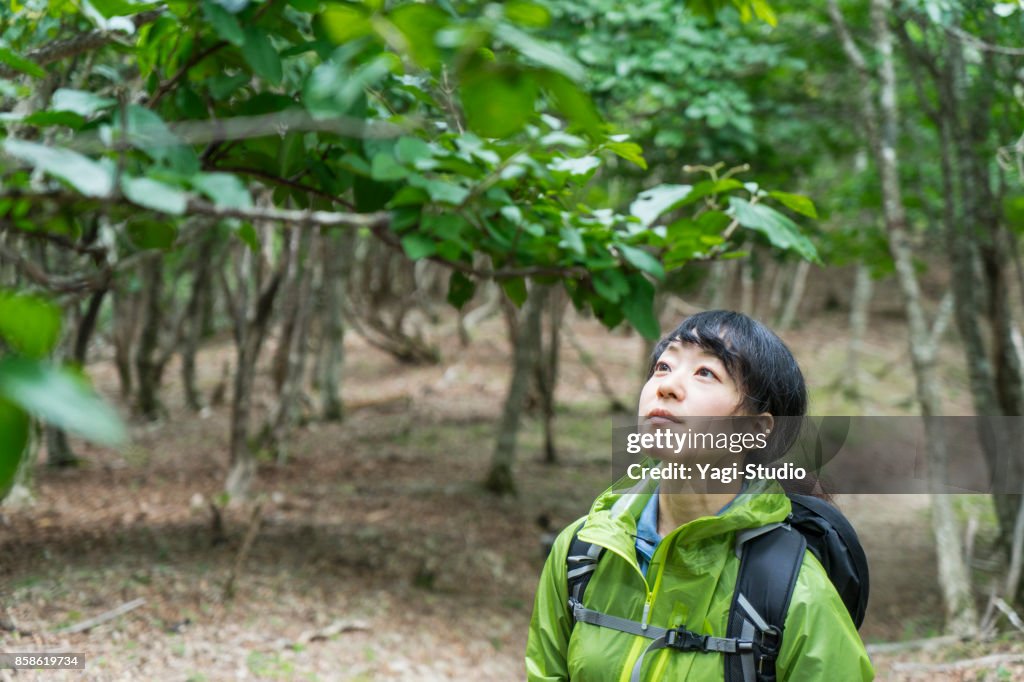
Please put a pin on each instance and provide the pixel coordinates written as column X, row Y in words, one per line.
column 679, row 639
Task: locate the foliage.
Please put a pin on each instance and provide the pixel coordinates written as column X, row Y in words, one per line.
column 456, row 133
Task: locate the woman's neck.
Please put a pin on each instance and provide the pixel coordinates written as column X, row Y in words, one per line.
column 679, row 502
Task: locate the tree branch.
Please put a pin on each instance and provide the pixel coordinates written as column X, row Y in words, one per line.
column 55, row 52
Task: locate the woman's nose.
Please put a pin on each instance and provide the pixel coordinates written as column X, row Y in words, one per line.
column 671, row 386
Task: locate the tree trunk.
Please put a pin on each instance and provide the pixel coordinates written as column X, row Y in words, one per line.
column 283, row 416
column 146, row 364
column 860, row 305
column 201, row 292
column 250, row 330
column 500, row 479
column 337, row 253
column 796, row 295
column 882, row 123
column 125, row 323
column 547, row 373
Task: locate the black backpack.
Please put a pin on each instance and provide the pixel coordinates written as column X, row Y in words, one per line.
column 769, row 564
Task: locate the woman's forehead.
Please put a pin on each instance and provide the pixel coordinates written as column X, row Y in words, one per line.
column 677, row 346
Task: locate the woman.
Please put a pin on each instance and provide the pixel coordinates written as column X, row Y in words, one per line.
column 669, row 560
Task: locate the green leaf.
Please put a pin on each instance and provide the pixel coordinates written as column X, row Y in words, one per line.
column 572, row 240
column 528, row 14
column 152, row 234
column 83, row 103
column 545, row 54
column 343, row 22
column 409, row 150
column 572, row 102
column 652, row 203
column 87, row 176
column 610, row 285
column 154, row 194
column 796, row 202
column 259, row 52
column 572, row 166
column 630, row 151
column 247, row 234
column 59, row 397
column 515, row 289
column 418, row 246
column 14, row 430
column 223, row 189
column 420, row 23
column 55, row 118
column 385, row 169
column 498, row 101
column 19, row 63
column 440, row 191
column 30, row 325
column 782, row 232
column 642, row 260
column 638, row 307
column 121, row 8
column 460, row 289
column 224, row 23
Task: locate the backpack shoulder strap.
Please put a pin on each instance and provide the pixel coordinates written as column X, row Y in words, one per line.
column 769, row 566
column 581, row 562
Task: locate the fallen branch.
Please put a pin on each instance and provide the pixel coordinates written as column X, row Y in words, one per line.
column 966, row 664
column 243, row 551
column 1009, row 613
column 90, row 623
column 336, row 628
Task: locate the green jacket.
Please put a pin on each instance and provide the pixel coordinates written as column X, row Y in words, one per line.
column 690, row 582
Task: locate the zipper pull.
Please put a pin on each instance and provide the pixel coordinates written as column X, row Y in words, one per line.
column 647, row 612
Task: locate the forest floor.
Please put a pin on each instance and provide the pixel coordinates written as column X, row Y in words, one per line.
column 377, row 555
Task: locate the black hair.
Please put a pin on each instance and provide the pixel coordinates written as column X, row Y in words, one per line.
column 760, row 363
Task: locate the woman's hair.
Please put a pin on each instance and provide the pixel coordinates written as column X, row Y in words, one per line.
column 764, row 370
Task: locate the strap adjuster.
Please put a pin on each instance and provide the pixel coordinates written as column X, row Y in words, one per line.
column 685, row 640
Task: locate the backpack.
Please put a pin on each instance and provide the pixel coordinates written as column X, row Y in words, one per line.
column 770, row 560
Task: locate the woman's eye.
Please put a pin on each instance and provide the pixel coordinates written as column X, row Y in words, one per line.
column 662, row 367
column 705, row 372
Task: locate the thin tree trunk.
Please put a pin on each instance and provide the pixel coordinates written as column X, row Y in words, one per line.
column 547, row 373
column 796, row 295
column 250, row 330
column 146, row 400
column 747, row 284
column 125, row 324
column 284, row 414
column 500, row 480
column 201, row 292
column 337, row 254
column 882, row 124
column 860, row 305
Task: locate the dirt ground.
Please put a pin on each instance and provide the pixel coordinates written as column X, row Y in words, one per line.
column 377, row 556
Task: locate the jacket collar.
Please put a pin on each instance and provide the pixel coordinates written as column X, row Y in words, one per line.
column 613, row 516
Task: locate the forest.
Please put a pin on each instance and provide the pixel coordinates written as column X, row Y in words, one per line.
column 315, row 315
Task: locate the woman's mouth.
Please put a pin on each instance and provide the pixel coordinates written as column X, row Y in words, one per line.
column 662, row 417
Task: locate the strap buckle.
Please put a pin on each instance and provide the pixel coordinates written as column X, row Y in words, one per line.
column 768, row 641
column 685, row 640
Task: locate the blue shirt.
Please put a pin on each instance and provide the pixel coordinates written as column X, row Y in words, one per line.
column 647, row 537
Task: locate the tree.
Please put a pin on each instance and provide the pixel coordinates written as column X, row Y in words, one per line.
column 458, row 138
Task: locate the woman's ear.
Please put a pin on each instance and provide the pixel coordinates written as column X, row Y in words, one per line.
column 764, row 423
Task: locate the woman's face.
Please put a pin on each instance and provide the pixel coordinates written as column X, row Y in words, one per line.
column 688, row 382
